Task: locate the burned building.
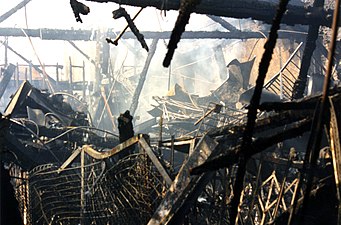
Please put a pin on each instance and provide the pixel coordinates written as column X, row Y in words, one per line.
column 227, row 113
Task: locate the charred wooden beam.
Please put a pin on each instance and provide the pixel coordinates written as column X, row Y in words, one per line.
column 49, row 34
column 242, row 9
column 88, row 35
column 121, row 12
column 118, row 37
column 252, row 111
column 307, row 103
column 228, row 157
column 300, row 83
column 270, row 122
column 319, row 120
column 79, row 8
column 186, row 8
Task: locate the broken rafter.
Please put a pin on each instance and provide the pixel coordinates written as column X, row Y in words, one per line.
column 121, row 12
column 241, row 9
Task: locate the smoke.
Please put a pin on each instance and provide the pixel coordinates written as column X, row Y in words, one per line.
column 195, row 66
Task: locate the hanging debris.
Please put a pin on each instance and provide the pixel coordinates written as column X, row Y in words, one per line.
column 121, row 12
column 79, row 8
column 186, row 8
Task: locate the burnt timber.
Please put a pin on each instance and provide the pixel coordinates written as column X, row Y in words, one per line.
column 88, row 35
column 257, row 10
column 66, row 171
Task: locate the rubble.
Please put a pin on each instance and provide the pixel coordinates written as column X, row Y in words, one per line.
column 243, row 154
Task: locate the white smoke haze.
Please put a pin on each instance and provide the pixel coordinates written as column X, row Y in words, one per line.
column 193, row 66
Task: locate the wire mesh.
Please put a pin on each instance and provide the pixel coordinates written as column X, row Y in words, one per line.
column 125, row 192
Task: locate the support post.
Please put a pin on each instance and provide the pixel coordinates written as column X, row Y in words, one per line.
column 57, row 76
column 25, row 73
column 30, row 71
column 70, row 75
column 84, row 85
column 310, row 46
column 6, row 51
column 17, row 76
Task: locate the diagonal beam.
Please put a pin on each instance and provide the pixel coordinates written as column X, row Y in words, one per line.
column 51, row 80
column 155, row 161
column 13, row 10
column 185, row 188
column 82, row 52
column 223, row 23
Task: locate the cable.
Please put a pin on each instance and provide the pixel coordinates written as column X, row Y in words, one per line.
column 82, row 128
column 31, row 121
column 35, row 135
column 35, row 52
column 51, row 114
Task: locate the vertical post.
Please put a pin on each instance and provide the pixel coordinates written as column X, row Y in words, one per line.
column 17, row 76
column 57, row 76
column 25, row 73
column 26, row 195
column 160, row 134
column 280, row 72
column 30, row 72
column 6, row 51
column 172, row 153
column 70, row 75
column 169, row 76
column 44, row 78
column 82, row 189
column 84, row 85
column 135, row 55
